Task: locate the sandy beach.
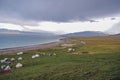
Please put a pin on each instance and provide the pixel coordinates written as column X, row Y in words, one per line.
column 31, row 47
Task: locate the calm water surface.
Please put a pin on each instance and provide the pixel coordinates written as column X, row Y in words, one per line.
column 9, row 41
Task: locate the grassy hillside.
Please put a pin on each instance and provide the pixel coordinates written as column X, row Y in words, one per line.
column 103, row 64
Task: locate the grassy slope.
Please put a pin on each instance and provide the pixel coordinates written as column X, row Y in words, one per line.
column 103, row 65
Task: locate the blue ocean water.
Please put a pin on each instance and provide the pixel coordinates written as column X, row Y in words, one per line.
column 10, row 41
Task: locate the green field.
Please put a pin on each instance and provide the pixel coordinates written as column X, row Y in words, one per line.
column 103, row 64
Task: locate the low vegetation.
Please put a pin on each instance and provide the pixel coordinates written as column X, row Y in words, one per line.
column 103, row 64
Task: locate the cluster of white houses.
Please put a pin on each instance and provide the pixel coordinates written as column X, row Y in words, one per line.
column 6, row 61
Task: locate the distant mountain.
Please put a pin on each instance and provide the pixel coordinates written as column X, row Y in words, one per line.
column 10, row 32
column 117, row 34
column 115, row 29
column 6, row 31
column 86, row 33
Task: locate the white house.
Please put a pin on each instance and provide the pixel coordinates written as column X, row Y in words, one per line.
column 54, row 54
column 12, row 59
column 83, row 42
column 35, row 56
column 4, row 60
column 68, row 45
column 7, row 68
column 19, row 53
column 70, row 49
column 3, row 66
column 19, row 65
column 20, row 58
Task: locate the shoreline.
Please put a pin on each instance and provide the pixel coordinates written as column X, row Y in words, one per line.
column 31, row 47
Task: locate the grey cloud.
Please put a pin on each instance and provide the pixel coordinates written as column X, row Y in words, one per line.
column 29, row 12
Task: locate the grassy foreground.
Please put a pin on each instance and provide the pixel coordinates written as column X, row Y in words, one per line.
column 103, row 64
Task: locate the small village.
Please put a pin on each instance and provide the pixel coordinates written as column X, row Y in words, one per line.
column 5, row 63
column 6, row 68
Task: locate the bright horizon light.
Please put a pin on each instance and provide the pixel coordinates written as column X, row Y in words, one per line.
column 68, row 27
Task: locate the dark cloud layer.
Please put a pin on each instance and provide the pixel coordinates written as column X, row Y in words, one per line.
column 29, row 12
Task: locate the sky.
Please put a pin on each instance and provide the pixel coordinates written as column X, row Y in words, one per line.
column 59, row 16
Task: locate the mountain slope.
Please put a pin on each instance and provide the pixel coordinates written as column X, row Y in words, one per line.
column 86, row 33
column 10, row 32
column 117, row 34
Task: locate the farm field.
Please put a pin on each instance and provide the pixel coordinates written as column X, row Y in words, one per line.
column 99, row 59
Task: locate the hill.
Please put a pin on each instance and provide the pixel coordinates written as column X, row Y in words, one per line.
column 102, row 64
column 16, row 32
column 86, row 33
column 117, row 34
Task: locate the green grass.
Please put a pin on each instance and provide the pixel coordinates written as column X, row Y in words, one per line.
column 103, row 65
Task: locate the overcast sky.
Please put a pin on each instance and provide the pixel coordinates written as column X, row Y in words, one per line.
column 61, row 16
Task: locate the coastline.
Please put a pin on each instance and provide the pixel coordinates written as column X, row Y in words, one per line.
column 31, row 47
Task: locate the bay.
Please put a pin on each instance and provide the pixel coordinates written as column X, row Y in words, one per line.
column 19, row 40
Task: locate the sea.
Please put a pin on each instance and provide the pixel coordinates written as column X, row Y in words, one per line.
column 18, row 40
